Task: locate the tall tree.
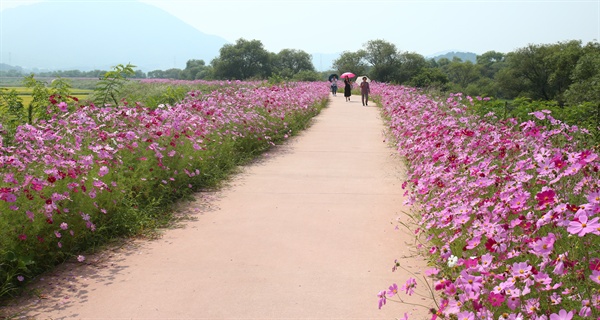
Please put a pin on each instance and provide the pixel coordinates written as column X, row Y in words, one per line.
column 586, row 77
column 410, row 64
column 384, row 59
column 351, row 62
column 491, row 62
column 289, row 62
column 463, row 73
column 544, row 70
column 242, row 60
column 195, row 69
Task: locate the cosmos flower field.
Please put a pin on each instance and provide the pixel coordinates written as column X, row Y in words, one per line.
column 507, row 212
column 92, row 173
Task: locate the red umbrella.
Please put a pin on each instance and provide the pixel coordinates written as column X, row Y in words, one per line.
column 347, row 75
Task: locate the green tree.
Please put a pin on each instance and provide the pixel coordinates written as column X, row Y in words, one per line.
column 195, row 69
column 109, row 86
column 351, row 62
column 14, row 115
column 37, row 108
column 429, row 77
column 462, row 73
column 543, row 71
column 586, row 78
column 411, row 65
column 172, row 73
column 242, row 60
column 384, row 60
column 563, row 58
column 289, row 62
column 490, row 62
column 307, row 75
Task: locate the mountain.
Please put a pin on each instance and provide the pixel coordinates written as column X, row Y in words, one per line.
column 66, row 35
column 464, row 56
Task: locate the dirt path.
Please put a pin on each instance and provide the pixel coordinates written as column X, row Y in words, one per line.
column 307, row 233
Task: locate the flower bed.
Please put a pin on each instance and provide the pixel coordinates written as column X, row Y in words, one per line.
column 510, row 211
column 92, row 173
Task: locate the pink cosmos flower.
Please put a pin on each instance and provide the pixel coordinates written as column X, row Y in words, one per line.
column 80, row 258
column 393, row 290
column 594, row 197
column 595, row 276
column 513, row 302
column 543, row 246
column 581, row 226
column 496, row 299
column 519, row 201
column 382, row 299
column 410, row 286
column 521, row 269
column 545, row 197
column 586, row 310
column 562, row 315
column 103, row 171
column 465, row 315
column 431, row 272
column 595, row 264
column 470, row 282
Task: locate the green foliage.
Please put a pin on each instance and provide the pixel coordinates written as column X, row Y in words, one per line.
column 585, row 115
column 37, row 107
column 112, row 82
column 196, row 69
column 242, row 61
column 462, row 73
column 411, row 65
column 351, row 62
column 306, row 75
column 384, row 60
column 289, row 62
column 429, row 78
column 12, row 114
column 275, row 79
column 172, row 73
column 586, row 78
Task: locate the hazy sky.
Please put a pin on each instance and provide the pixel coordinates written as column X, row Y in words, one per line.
column 424, row 26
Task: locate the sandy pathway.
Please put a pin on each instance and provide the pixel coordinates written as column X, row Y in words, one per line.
column 306, row 233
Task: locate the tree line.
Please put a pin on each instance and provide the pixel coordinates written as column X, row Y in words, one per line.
column 566, row 72
column 244, row 60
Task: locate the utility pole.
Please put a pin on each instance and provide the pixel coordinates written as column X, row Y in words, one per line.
column 320, row 62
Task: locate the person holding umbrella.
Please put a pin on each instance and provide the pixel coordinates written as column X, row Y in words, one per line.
column 347, row 89
column 334, row 85
column 347, row 84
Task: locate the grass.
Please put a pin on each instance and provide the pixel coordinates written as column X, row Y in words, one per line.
column 26, row 93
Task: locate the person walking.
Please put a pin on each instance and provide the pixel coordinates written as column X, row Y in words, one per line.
column 364, row 91
column 334, row 86
column 347, row 89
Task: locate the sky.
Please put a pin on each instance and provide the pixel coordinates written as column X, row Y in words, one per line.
column 427, row 27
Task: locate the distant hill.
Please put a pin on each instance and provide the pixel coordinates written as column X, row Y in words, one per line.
column 6, row 67
column 464, row 56
column 65, row 35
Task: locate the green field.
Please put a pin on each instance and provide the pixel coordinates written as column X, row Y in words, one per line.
column 25, row 93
